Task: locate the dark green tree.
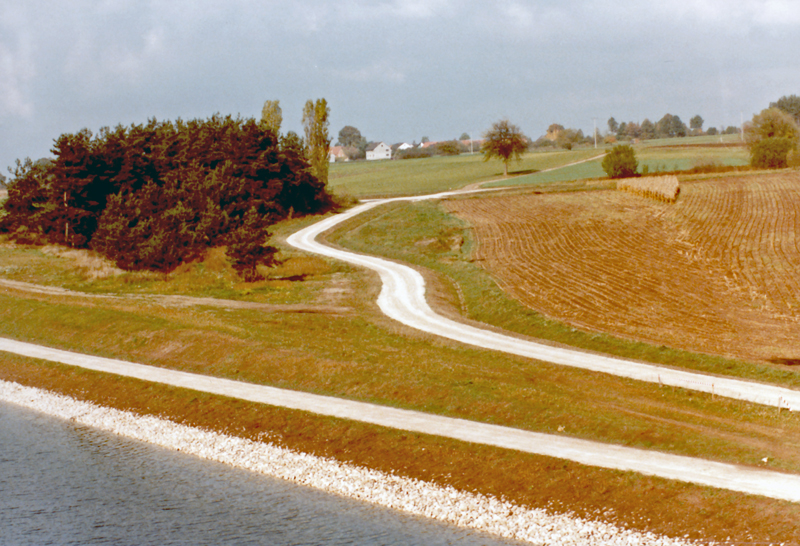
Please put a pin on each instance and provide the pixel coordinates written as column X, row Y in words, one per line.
column 504, row 141
column 349, row 136
column 696, row 124
column 612, row 125
column 648, row 129
column 620, row 162
column 670, row 126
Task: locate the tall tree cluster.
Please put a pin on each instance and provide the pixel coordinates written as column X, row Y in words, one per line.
column 154, row 195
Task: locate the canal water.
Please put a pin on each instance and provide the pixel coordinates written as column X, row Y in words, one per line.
column 62, row 483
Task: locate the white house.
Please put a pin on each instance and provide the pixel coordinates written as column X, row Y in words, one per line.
column 378, row 150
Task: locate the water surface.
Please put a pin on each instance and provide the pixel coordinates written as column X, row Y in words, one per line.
column 64, row 483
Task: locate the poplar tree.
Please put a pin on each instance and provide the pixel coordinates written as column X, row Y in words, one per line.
column 318, row 141
column 272, row 116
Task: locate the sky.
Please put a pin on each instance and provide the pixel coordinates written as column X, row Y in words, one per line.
column 398, row 70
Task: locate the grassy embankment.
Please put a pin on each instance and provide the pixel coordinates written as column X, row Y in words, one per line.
column 362, row 355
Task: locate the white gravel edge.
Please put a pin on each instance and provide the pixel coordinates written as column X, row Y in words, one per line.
column 416, row 497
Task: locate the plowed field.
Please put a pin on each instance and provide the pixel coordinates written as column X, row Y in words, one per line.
column 717, row 272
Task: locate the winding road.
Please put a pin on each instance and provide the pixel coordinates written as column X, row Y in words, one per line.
column 402, row 298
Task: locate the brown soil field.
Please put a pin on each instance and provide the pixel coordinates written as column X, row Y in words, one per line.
column 717, row 272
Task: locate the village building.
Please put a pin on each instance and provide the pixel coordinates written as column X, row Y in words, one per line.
column 337, row 153
column 378, row 150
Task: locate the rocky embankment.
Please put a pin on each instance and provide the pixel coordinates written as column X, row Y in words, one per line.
column 412, row 496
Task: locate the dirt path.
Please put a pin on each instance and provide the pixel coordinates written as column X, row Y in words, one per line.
column 479, row 185
column 176, row 300
column 402, row 298
column 725, row 476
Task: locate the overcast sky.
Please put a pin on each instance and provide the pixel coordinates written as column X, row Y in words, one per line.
column 396, row 70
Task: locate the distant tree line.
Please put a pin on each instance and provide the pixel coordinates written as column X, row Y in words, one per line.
column 154, row 195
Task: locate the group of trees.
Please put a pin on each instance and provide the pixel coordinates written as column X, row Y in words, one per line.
column 773, row 134
column 668, row 126
column 561, row 137
column 154, row 195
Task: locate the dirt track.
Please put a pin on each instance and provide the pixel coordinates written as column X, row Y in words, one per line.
column 177, row 301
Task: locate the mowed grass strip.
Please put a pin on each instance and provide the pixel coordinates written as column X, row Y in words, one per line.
column 368, row 358
column 624, row 498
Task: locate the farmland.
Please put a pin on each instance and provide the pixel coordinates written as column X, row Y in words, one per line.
column 435, row 174
column 713, row 273
column 344, row 348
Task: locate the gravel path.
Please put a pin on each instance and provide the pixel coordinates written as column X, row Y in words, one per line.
column 721, row 475
column 445, row 504
column 402, row 298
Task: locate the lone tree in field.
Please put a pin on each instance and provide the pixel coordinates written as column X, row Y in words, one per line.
column 771, row 135
column 620, row 162
column 504, row 141
column 318, row 142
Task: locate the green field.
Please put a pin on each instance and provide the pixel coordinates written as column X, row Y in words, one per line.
column 361, row 179
column 430, row 175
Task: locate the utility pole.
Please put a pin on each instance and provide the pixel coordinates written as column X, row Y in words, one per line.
column 595, row 132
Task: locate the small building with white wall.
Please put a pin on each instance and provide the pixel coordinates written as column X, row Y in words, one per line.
column 379, row 150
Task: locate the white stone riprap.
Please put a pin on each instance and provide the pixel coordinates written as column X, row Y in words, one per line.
column 445, row 504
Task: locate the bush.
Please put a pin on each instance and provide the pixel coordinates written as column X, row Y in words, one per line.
column 620, row 162
column 448, row 147
column 415, row 153
column 771, row 153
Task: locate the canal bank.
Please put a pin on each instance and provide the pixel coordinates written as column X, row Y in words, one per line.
column 466, row 510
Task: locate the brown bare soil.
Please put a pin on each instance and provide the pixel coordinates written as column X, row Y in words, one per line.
column 716, row 272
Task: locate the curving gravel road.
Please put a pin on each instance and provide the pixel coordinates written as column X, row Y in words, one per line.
column 402, row 298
